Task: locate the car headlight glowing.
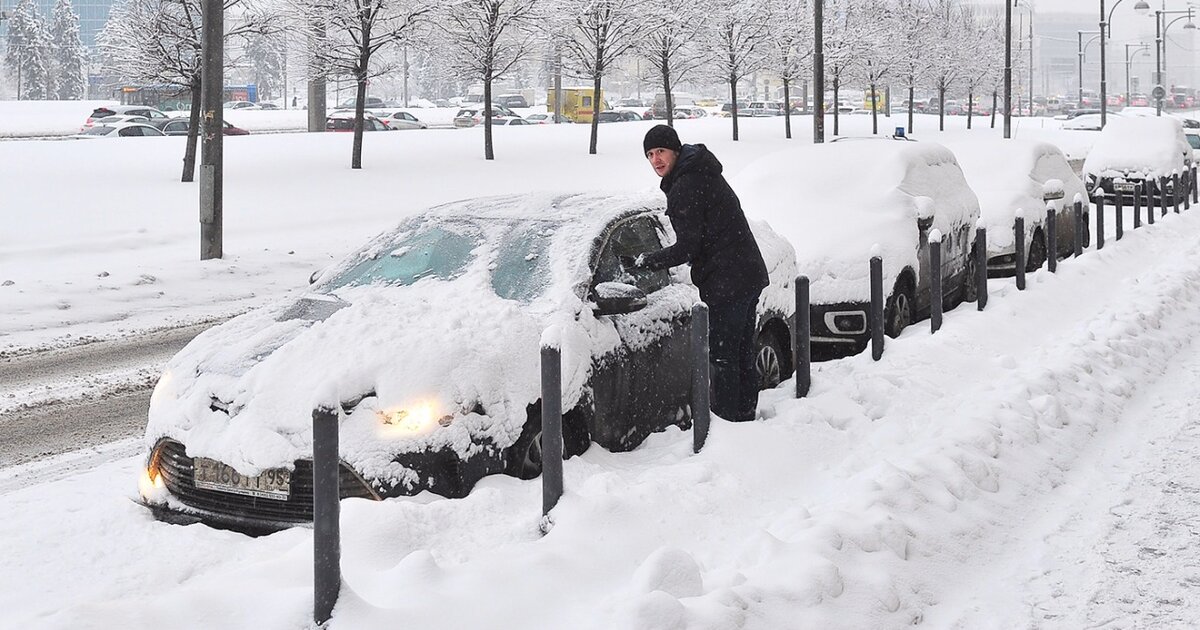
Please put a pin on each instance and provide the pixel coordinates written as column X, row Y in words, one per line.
column 151, row 487
column 413, row 419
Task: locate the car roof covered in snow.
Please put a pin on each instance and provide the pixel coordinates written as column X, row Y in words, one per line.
column 1138, row 147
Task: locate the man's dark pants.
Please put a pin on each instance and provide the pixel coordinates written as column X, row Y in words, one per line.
column 732, row 350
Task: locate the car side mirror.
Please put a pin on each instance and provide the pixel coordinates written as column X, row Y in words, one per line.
column 312, row 279
column 617, row 298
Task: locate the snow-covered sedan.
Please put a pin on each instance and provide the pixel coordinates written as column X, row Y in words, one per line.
column 120, row 130
column 839, row 203
column 1011, row 175
column 429, row 339
column 1139, row 150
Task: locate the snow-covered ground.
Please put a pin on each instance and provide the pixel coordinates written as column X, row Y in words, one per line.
column 1031, row 465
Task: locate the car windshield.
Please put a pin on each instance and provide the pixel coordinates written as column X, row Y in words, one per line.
column 442, row 251
column 1194, row 140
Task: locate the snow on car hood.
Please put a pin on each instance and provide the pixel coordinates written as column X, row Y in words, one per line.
column 1008, row 175
column 1138, row 147
column 834, row 202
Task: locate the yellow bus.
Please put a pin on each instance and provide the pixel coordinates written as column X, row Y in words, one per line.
column 577, row 103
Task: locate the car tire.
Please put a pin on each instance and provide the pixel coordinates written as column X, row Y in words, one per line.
column 768, row 360
column 523, row 459
column 969, row 290
column 1037, row 252
column 899, row 312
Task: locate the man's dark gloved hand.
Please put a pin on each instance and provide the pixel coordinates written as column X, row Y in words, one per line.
column 632, row 262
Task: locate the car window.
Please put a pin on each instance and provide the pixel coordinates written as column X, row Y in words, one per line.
column 429, row 252
column 406, row 116
column 98, row 131
column 130, row 131
column 1193, row 140
column 522, row 269
column 176, row 126
column 633, row 237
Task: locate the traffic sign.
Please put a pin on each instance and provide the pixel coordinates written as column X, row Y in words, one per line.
column 1159, row 93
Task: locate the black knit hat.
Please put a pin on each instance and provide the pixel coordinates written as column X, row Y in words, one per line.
column 661, row 137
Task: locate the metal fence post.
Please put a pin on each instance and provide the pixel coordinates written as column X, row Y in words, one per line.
column 700, row 377
column 327, row 549
column 1120, row 214
column 1187, row 192
column 1100, row 222
column 552, row 433
column 1052, row 237
column 935, row 281
column 802, row 348
column 1019, row 248
column 1078, row 226
column 876, row 307
column 1175, row 190
column 981, row 265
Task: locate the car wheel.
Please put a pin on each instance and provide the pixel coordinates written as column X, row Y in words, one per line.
column 769, row 361
column 1037, row 252
column 523, row 459
column 970, row 290
column 899, row 312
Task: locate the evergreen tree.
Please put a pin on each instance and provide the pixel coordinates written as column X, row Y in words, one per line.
column 67, row 59
column 265, row 54
column 26, row 53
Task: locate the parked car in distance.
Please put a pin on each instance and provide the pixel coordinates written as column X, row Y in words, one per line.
column 688, row 112
column 404, row 120
column 241, row 105
column 514, row 121
column 1087, row 122
column 541, row 118
column 512, row 100
column 116, row 118
column 1011, row 175
column 370, row 102
column 727, row 109
column 120, row 130
column 1076, row 113
column 229, row 435
column 614, row 115
column 149, row 113
column 344, row 121
column 881, row 197
column 762, row 108
column 472, row 116
column 1140, row 151
column 180, row 126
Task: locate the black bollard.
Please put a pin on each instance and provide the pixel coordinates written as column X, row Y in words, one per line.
column 1147, row 191
column 1052, row 237
column 552, row 433
column 1175, row 190
column 1019, row 248
column 1120, row 213
column 935, row 281
column 1137, row 207
column 1162, row 194
column 981, row 266
column 1187, row 191
column 1100, row 222
column 1079, row 227
column 1195, row 186
column 327, row 546
column 802, row 349
column 700, row 377
column 876, row 308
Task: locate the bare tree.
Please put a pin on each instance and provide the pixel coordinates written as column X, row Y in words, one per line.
column 845, row 44
column 485, row 40
column 946, row 63
column 670, row 48
column 738, row 35
column 790, row 48
column 347, row 34
column 983, row 38
column 913, row 47
column 601, row 32
column 158, row 42
column 878, row 52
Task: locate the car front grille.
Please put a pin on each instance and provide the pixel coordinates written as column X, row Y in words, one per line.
column 177, row 472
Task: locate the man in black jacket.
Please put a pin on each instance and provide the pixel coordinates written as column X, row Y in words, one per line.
column 712, row 235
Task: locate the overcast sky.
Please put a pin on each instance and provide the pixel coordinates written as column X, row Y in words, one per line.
column 1072, row 6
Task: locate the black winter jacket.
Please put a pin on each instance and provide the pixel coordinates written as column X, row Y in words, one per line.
column 711, row 231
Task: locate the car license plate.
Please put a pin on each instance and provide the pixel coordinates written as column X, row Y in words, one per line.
column 211, row 474
column 1124, row 186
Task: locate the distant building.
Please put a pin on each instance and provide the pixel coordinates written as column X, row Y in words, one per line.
column 92, row 16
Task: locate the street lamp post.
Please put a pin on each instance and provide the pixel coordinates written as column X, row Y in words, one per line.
column 1128, row 61
column 1082, row 46
column 1008, row 69
column 1105, row 21
column 1143, row 8
column 1189, row 25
